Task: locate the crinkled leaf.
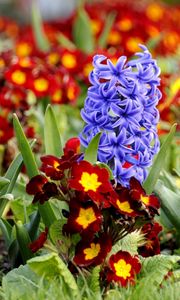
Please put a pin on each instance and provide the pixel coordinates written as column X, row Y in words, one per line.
column 51, row 266
column 158, row 164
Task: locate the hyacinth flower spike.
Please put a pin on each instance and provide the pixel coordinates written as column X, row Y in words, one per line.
column 121, row 103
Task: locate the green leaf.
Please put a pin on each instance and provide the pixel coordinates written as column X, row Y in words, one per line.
column 152, row 274
column 158, row 164
column 52, row 138
column 91, row 151
column 11, row 174
column 33, row 226
column 170, row 203
column 51, row 266
column 61, row 241
column 6, row 229
column 3, row 182
column 107, row 28
column 47, row 213
column 25, row 149
column 39, row 34
column 23, row 241
column 82, row 32
column 20, row 283
column 94, row 282
column 65, row 42
column 130, row 243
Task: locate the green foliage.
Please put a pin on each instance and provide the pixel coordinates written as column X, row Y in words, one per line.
column 159, row 162
column 11, row 175
column 41, row 40
column 24, row 240
column 50, row 266
column 3, row 182
column 52, row 138
column 25, row 149
column 107, row 28
column 61, row 241
column 82, row 32
column 6, row 229
column 129, row 243
column 94, row 285
column 170, row 203
column 91, row 151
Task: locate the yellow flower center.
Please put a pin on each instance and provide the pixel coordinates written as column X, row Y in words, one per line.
column 25, row 62
column 41, row 84
column 1, row 133
column 18, row 77
column 92, row 252
column 87, row 69
column 53, row 58
column 132, row 44
column 23, row 49
column 144, row 199
column 124, row 206
column 70, row 93
column 89, row 182
column 95, row 26
column 2, row 63
column 69, row 61
column 175, row 87
column 86, row 217
column 125, row 24
column 122, row 269
column 154, row 12
column 57, row 96
column 114, row 38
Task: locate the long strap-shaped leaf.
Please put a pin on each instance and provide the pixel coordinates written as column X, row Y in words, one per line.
column 107, row 28
column 153, row 176
column 39, row 34
column 45, row 210
column 91, row 151
column 52, row 138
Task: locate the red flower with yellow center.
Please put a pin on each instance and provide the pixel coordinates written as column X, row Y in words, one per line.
column 90, row 179
column 53, row 166
column 137, row 193
column 84, row 218
column 122, row 268
column 122, row 202
column 17, row 76
column 41, row 188
column 93, row 252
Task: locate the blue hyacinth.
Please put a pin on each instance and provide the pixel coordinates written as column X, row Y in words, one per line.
column 121, row 103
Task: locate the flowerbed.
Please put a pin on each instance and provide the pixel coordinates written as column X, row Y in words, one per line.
column 91, row 210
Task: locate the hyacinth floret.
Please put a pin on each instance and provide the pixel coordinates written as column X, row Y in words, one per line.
column 121, row 103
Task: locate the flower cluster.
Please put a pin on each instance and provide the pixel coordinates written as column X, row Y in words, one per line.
column 98, row 215
column 122, row 104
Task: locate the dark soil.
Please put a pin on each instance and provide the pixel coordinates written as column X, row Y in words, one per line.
column 4, row 262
